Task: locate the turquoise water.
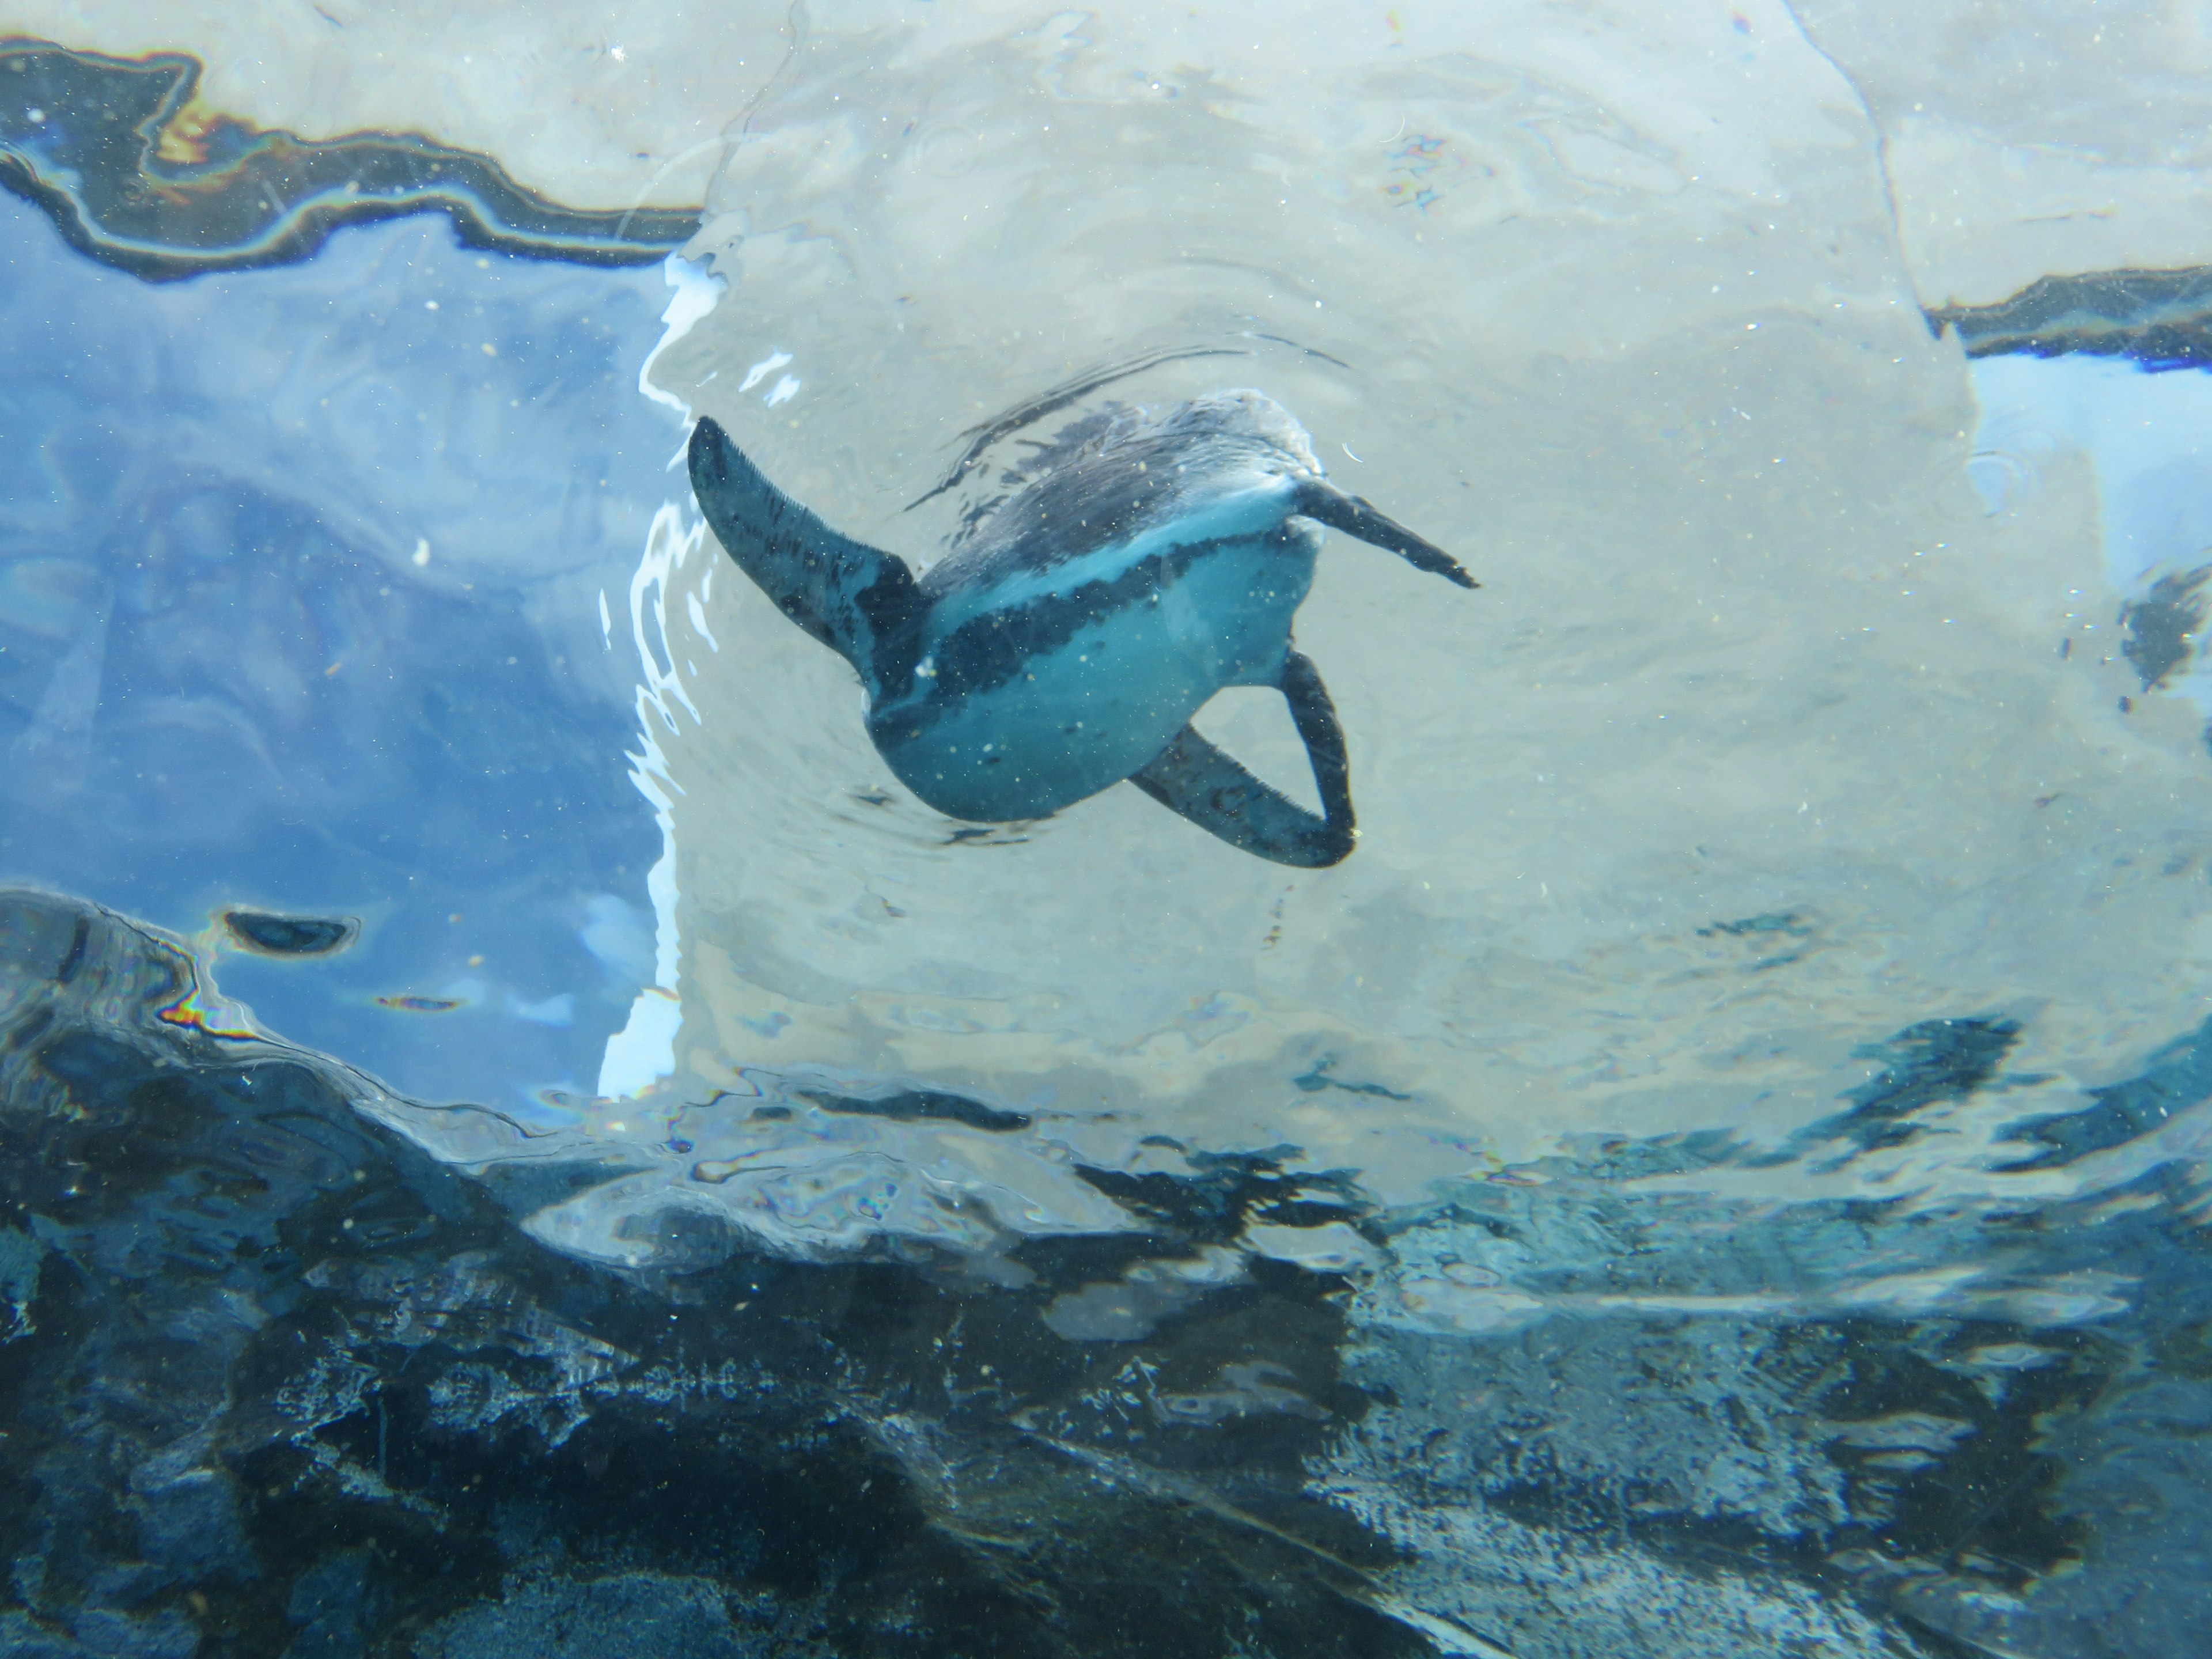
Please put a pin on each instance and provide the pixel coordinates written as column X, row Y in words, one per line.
column 523, row 1134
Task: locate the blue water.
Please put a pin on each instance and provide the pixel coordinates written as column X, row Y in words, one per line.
column 226, row 677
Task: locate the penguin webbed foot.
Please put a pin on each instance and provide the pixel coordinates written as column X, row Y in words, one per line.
column 1195, row 779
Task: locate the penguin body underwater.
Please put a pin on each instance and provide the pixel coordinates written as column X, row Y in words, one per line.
column 1066, row 645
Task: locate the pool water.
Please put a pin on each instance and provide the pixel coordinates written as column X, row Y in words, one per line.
column 524, row 1135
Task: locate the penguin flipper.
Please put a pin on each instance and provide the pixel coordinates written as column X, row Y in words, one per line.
column 1322, row 501
column 1192, row 777
column 845, row 594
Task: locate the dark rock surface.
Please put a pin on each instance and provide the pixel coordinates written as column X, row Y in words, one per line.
column 2161, row 318
column 274, row 1381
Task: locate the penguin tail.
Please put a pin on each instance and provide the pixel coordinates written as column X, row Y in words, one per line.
column 1322, row 501
column 850, row 596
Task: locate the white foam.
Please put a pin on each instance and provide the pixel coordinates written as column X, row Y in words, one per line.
column 761, row 370
column 644, row 1050
column 698, row 290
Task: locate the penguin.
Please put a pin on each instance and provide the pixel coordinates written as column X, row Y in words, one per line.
column 1065, row 644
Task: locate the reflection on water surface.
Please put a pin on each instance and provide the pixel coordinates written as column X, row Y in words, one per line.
column 524, row 1135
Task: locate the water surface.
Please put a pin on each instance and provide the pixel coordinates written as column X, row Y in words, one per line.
column 522, row 1135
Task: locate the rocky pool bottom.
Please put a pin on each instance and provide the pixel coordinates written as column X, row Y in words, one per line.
column 273, row 1381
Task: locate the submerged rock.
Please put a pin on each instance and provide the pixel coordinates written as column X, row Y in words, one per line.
column 276, row 1381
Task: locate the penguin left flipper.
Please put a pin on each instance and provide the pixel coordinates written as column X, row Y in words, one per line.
column 852, row 597
column 1323, row 502
column 1192, row 777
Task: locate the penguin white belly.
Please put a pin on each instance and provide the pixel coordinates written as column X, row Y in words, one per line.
column 1105, row 697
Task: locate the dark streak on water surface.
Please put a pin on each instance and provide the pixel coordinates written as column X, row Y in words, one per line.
column 133, row 182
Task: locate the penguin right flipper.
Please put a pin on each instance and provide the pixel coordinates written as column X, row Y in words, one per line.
column 1322, row 501
column 1190, row 776
column 848, row 595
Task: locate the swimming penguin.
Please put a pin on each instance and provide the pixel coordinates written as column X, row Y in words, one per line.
column 1069, row 639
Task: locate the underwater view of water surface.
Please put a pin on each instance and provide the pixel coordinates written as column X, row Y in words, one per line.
column 926, row 828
